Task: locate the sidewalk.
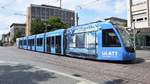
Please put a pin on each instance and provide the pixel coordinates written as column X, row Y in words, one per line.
column 14, row 73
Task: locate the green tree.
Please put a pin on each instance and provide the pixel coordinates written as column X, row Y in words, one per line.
column 1, row 43
column 17, row 34
column 37, row 26
column 55, row 23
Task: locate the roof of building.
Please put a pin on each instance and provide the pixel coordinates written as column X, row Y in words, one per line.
column 50, row 6
column 6, row 34
column 17, row 24
column 116, row 18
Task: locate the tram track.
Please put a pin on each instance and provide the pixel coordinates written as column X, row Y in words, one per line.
column 85, row 66
column 75, row 67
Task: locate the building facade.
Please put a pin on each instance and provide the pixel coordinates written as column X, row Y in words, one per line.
column 5, row 39
column 139, row 19
column 16, row 28
column 43, row 12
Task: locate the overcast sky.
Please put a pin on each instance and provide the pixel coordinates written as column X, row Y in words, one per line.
column 89, row 10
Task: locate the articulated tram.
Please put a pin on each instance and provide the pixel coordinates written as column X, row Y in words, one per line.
column 97, row 40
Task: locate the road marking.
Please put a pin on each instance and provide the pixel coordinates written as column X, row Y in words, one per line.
column 2, row 62
column 81, row 80
column 86, row 82
column 147, row 60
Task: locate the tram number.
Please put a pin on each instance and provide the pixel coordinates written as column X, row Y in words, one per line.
column 109, row 53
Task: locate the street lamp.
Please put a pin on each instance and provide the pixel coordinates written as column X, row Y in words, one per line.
column 134, row 32
column 77, row 15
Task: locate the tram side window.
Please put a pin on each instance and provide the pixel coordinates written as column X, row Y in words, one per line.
column 53, row 39
column 90, row 40
column 110, row 39
column 29, row 42
column 25, row 42
column 20, row 42
column 39, row 41
column 72, row 41
column 80, row 40
column 32, row 42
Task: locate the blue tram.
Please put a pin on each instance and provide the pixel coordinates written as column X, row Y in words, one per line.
column 97, row 40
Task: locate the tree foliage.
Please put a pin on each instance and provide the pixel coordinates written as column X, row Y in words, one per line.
column 55, row 23
column 1, row 43
column 37, row 26
column 17, row 34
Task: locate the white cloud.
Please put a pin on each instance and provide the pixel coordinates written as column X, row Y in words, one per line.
column 120, row 6
column 100, row 8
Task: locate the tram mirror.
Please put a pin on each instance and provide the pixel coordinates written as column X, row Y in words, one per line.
column 128, row 29
column 111, row 34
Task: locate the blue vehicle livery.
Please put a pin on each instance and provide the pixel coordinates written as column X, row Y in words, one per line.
column 97, row 40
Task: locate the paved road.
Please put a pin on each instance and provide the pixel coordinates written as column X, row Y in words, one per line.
column 99, row 72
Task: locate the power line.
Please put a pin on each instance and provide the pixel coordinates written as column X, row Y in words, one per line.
column 20, row 14
column 54, row 2
column 79, row 7
column 8, row 3
column 11, row 10
column 86, row 4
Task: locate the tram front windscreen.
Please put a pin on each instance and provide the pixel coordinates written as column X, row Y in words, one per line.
column 127, row 40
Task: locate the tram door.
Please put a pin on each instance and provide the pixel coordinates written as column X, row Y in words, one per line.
column 58, row 44
column 48, row 44
column 30, row 44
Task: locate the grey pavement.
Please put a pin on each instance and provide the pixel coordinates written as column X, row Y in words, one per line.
column 26, row 74
column 145, row 54
column 97, row 71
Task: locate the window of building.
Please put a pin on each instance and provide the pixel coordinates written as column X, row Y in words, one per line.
column 110, row 39
column 139, row 19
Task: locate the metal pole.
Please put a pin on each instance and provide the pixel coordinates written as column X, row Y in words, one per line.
column 77, row 19
column 60, row 3
column 134, row 35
